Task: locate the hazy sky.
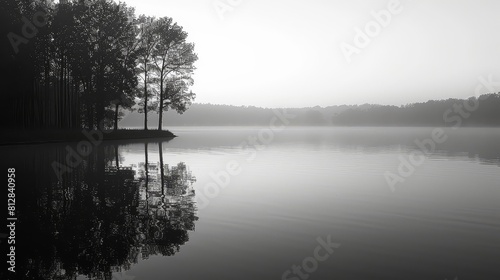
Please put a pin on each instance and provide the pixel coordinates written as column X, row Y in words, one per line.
column 287, row 53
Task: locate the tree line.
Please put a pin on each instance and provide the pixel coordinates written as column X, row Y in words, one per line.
column 81, row 63
column 230, row 115
column 433, row 113
column 474, row 111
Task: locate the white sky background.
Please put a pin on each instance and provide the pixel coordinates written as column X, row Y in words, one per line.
column 286, row 53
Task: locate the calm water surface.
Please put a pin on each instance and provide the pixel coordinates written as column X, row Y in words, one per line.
column 226, row 209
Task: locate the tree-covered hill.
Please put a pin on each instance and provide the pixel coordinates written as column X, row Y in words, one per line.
column 481, row 111
column 450, row 112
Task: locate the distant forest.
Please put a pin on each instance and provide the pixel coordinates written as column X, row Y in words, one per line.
column 227, row 115
column 482, row 111
column 82, row 64
column 440, row 113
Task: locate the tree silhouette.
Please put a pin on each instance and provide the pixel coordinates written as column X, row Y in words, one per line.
column 127, row 89
column 147, row 43
column 173, row 65
column 175, row 96
column 77, row 64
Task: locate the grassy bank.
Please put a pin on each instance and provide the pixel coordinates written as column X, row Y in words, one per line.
column 21, row 137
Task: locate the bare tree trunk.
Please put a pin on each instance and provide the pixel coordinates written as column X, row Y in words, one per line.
column 146, row 174
column 116, row 116
column 160, row 114
column 117, row 158
column 162, row 174
column 145, row 96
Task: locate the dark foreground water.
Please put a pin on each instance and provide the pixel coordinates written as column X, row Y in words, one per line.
column 251, row 203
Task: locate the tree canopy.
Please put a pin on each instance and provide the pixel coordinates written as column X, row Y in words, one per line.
column 78, row 64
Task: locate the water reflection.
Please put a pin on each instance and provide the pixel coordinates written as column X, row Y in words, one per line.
column 473, row 143
column 101, row 217
column 105, row 215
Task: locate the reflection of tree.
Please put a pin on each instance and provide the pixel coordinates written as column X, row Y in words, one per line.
column 166, row 209
column 97, row 220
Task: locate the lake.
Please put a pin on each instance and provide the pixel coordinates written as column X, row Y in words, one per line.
column 255, row 203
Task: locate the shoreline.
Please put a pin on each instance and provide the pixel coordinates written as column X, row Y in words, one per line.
column 37, row 137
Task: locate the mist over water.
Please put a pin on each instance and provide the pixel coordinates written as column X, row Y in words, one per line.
column 304, row 185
